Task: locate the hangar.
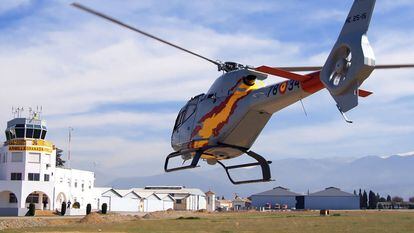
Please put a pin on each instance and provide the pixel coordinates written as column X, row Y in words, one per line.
column 277, row 196
column 329, row 198
column 332, row 198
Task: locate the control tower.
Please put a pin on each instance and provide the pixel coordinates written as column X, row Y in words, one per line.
column 27, row 166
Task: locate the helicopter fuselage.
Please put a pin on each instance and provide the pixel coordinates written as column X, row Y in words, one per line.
column 234, row 111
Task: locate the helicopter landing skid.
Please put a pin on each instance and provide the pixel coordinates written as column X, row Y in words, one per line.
column 262, row 162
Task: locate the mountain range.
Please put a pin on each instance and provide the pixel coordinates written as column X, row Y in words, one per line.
column 391, row 175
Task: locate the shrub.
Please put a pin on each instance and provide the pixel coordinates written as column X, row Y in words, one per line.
column 63, row 209
column 104, row 208
column 32, row 209
column 76, row 205
column 88, row 209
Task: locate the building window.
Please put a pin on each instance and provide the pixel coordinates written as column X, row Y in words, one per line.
column 32, row 198
column 47, row 177
column 178, row 201
column 12, row 198
column 76, row 183
column 16, row 176
column 4, row 158
column 83, row 187
column 33, row 158
column 34, row 177
column 17, row 157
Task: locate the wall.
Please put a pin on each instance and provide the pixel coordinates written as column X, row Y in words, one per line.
column 65, row 180
column 260, row 201
column 332, row 203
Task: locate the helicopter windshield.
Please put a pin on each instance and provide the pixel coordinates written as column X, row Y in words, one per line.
column 186, row 112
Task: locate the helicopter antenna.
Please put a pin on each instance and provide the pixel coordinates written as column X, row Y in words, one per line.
column 113, row 20
column 303, row 107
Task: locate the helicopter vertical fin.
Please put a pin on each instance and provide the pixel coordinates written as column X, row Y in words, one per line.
column 352, row 59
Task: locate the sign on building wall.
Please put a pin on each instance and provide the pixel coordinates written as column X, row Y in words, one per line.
column 30, row 145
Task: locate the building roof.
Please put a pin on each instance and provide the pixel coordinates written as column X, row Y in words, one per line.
column 209, row 192
column 332, row 192
column 165, row 196
column 173, row 189
column 278, row 191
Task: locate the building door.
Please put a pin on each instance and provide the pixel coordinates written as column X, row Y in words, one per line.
column 300, row 202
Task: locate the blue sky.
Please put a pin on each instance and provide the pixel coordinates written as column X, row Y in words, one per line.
column 121, row 92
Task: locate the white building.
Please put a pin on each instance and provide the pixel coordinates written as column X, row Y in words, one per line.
column 332, row 198
column 240, row 203
column 184, row 198
column 152, row 198
column 211, row 201
column 28, row 172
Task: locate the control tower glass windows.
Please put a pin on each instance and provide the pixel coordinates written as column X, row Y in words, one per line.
column 37, row 131
column 19, row 128
column 29, row 131
column 26, row 131
column 43, row 136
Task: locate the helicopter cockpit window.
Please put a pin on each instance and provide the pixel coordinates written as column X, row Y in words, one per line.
column 189, row 111
column 179, row 119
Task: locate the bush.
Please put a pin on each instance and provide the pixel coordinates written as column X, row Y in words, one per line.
column 32, row 209
column 104, row 208
column 188, row 218
column 88, row 209
column 76, row 205
column 63, row 209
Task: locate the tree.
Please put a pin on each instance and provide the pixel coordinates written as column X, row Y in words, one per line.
column 382, row 199
column 88, row 209
column 364, row 200
column 59, row 161
column 360, row 199
column 389, row 198
column 372, row 203
column 397, row 199
column 32, row 209
column 104, row 208
column 355, row 192
column 63, row 209
column 411, row 199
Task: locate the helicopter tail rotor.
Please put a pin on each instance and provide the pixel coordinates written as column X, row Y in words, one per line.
column 352, row 59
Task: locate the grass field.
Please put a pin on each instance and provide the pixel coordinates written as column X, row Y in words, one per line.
column 339, row 221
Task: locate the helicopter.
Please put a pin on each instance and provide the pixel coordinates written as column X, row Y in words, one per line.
column 224, row 122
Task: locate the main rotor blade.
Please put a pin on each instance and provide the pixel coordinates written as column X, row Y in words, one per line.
column 316, row 68
column 89, row 10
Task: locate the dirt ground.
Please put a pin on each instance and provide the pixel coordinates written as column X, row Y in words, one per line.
column 226, row 222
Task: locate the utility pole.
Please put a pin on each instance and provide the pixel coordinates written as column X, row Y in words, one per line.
column 69, row 144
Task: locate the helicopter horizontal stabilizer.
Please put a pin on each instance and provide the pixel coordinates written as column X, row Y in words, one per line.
column 364, row 93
